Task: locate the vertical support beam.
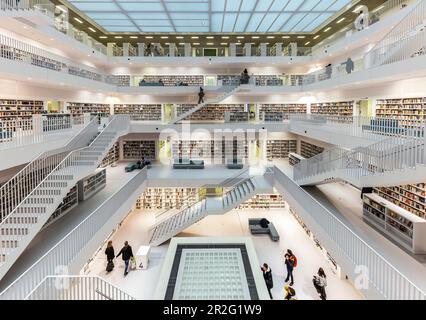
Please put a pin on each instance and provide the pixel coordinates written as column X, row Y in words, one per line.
column 110, row 49
column 126, row 49
column 263, row 49
column 232, row 49
column 247, row 49
column 141, row 49
column 279, row 49
column 188, row 50
column 293, row 49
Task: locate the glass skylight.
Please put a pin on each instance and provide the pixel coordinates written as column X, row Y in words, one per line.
column 198, row 16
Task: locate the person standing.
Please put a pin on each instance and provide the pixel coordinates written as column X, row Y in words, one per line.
column 126, row 253
column 289, row 266
column 349, row 66
column 201, row 96
column 320, row 282
column 267, row 275
column 109, row 251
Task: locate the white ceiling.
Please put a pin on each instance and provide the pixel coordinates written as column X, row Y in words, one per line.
column 204, row 16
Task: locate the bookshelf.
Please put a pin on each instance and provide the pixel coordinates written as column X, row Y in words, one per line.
column 136, row 149
column 91, row 185
column 239, row 116
column 173, row 80
column 408, row 110
column 396, row 223
column 140, row 112
column 294, row 158
column 410, row 197
column 263, row 201
column 280, row 149
column 93, row 108
column 341, row 108
column 308, row 150
column 268, row 80
column 167, row 198
column 280, row 112
column 211, row 112
column 69, row 202
column 11, row 109
column 112, row 157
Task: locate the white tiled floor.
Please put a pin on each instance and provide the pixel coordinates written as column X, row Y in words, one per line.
column 142, row 283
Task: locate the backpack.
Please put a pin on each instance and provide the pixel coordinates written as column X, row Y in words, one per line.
column 294, row 260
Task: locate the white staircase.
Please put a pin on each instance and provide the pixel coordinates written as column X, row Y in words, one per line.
column 394, row 161
column 229, row 91
column 403, row 40
column 176, row 223
column 28, row 216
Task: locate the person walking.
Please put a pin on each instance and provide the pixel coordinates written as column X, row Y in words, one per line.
column 320, row 282
column 126, row 253
column 267, row 275
column 109, row 251
column 201, row 96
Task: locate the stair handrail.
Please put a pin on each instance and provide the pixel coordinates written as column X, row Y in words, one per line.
column 376, row 158
column 95, row 282
column 69, row 159
column 57, row 254
column 186, row 207
column 52, row 157
column 232, row 181
column 385, row 39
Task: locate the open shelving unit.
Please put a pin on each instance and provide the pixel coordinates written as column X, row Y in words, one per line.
column 280, row 149
column 136, row 149
column 11, row 109
column 407, row 110
column 91, row 185
column 173, row 80
column 280, row 112
column 263, row 201
column 396, row 223
column 238, row 116
column 140, row 112
column 167, row 198
column 341, row 108
column 211, row 112
column 112, row 157
column 308, row 150
column 411, row 197
column 294, row 158
column 93, row 108
column 70, row 202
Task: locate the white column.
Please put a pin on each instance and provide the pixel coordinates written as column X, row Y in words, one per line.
column 126, row 49
column 293, row 49
column 279, row 49
column 172, row 49
column 247, row 49
column 141, row 49
column 232, row 49
column 110, row 49
column 263, row 49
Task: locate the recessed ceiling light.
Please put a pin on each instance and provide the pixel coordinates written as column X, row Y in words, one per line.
column 196, row 44
column 148, row 37
column 301, row 37
column 133, row 37
column 164, row 37
column 91, row 29
column 255, row 37
column 240, row 37
column 379, row 8
column 51, row 39
column 78, row 20
column 327, row 29
column 225, row 37
column 285, row 37
column 316, row 37
column 270, row 37
column 223, row 44
column 340, row 20
column 181, row 43
column 194, row 37
column 118, row 37
column 307, row 43
column 357, row 9
column 210, row 43
column 103, row 37
column 179, row 37
column 210, row 37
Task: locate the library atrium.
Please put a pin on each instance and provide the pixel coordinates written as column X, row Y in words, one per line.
column 212, row 150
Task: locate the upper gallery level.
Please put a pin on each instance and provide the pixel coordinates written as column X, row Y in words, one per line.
column 333, row 34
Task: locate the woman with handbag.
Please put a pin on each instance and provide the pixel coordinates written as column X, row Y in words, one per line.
column 109, row 251
column 320, row 282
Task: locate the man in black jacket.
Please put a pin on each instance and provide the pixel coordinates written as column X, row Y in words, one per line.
column 126, row 253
